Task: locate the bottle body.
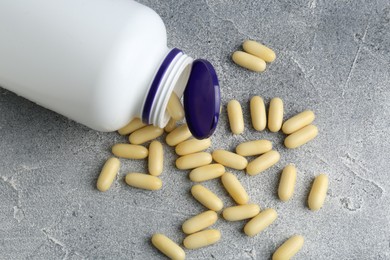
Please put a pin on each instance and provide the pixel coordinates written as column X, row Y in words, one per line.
column 90, row 60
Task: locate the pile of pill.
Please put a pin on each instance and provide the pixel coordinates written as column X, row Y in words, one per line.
column 205, row 166
column 254, row 56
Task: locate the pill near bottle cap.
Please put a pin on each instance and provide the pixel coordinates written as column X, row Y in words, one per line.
column 134, row 124
column 145, row 134
column 192, row 146
column 194, row 160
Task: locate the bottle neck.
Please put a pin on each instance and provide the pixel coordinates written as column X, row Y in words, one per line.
column 172, row 75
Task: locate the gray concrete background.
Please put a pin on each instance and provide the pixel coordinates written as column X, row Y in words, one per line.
column 332, row 57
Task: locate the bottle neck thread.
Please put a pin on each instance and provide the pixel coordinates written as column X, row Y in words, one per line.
column 172, row 75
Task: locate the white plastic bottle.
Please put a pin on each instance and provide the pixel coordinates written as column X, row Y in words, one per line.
column 102, row 63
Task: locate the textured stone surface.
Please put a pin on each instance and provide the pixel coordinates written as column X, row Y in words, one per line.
column 332, row 57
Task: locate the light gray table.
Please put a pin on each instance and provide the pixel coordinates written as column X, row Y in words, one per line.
column 332, row 57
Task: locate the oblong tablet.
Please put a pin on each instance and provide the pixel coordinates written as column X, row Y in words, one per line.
column 199, row 222
column 275, row 115
column 178, row 135
column 298, row 122
column 206, row 197
column 202, row 239
column 230, row 159
column 248, row 61
column 192, row 146
column 170, row 125
column 259, row 50
column 156, row 158
column 318, row 192
column 236, row 119
column 287, row 182
column 263, row 162
column 169, row 248
column 289, row 248
column 143, row 181
column 134, row 124
column 193, row 160
column 260, row 222
column 130, row 151
column 145, row 134
column 175, row 108
column 258, row 114
column 240, row 212
column 254, row 147
column 207, row 172
column 108, row 174
column 234, row 188
column 301, row 137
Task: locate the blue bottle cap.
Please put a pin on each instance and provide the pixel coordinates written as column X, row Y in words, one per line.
column 202, row 99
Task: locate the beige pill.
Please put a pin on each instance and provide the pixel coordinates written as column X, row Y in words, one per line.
column 135, row 124
column 259, row 50
column 202, row 239
column 258, row 115
column 301, row 136
column 318, row 192
column 178, row 135
column 260, row 222
column 156, row 158
column 275, row 115
column 192, row 146
column 230, row 159
column 241, row 212
column 145, row 134
column 254, row 147
column 234, row 188
column 168, row 247
column 170, row 125
column 175, row 108
column 236, row 119
column 289, row 248
column 193, row 160
column 248, row 61
column 130, row 151
column 199, row 222
column 143, row 181
column 206, row 197
column 207, row 172
column 108, row 174
column 287, row 182
column 263, row 162
column 298, row 122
